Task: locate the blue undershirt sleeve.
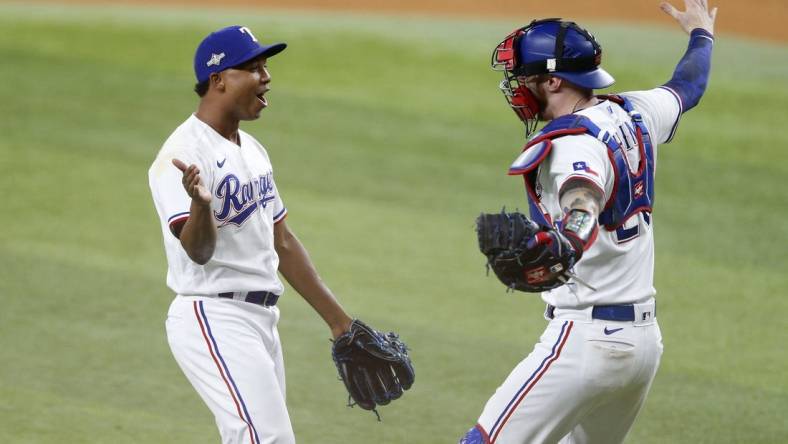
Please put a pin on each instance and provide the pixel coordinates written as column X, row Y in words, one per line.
column 692, row 72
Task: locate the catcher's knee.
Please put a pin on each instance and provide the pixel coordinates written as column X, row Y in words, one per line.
column 476, row 435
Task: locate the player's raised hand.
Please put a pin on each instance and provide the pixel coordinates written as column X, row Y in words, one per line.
column 192, row 182
column 697, row 15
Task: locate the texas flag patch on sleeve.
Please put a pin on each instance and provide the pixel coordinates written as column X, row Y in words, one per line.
column 582, row 166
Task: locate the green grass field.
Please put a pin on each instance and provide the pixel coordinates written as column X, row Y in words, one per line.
column 388, row 136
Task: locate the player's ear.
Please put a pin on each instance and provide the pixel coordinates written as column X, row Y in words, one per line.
column 217, row 81
column 553, row 83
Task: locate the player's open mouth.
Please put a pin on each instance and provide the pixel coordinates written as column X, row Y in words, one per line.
column 261, row 98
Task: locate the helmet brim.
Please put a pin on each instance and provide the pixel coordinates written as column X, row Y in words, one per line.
column 596, row 79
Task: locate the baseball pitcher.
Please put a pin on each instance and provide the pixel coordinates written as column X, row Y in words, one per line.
column 223, row 223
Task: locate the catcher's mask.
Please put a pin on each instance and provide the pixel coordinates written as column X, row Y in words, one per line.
column 548, row 46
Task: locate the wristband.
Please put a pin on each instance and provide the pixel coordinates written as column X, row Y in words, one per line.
column 581, row 228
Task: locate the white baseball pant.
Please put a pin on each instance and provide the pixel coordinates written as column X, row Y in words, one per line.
column 230, row 352
column 585, row 382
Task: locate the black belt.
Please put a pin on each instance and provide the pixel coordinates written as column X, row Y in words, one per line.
column 264, row 298
column 607, row 312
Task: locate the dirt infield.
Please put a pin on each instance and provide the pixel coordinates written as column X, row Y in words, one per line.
column 765, row 19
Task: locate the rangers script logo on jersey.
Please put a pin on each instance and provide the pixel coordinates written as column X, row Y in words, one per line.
column 239, row 201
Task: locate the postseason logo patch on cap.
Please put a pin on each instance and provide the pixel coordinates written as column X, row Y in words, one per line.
column 216, row 59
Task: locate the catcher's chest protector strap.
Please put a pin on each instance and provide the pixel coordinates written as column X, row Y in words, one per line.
column 633, row 188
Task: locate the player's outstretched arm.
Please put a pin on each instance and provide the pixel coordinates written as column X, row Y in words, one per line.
column 296, row 266
column 375, row 367
column 198, row 234
column 692, row 72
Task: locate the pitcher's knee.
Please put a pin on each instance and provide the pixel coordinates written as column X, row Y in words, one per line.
column 280, row 437
column 243, row 433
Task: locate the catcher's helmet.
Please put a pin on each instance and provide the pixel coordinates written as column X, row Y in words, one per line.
column 564, row 50
column 549, row 46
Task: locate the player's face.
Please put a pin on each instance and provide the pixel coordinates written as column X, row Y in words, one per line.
column 535, row 84
column 246, row 86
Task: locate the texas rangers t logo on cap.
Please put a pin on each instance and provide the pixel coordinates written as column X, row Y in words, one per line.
column 246, row 30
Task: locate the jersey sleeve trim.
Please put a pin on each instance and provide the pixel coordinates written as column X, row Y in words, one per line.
column 675, row 126
column 279, row 217
column 175, row 218
column 176, row 221
column 585, row 179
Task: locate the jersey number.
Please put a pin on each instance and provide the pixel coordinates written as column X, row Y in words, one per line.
column 626, row 136
column 627, row 234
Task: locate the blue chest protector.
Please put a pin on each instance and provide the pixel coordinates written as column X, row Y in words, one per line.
column 633, row 192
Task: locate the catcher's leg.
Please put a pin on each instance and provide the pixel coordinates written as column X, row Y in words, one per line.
column 476, row 435
column 610, row 420
column 229, row 351
column 541, row 398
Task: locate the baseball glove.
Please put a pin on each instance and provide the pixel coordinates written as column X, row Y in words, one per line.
column 375, row 368
column 524, row 255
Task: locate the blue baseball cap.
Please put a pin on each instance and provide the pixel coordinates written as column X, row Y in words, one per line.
column 229, row 47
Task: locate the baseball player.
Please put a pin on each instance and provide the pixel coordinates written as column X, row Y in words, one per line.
column 225, row 236
column 589, row 177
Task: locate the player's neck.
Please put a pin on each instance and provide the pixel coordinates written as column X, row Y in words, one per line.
column 563, row 104
column 220, row 121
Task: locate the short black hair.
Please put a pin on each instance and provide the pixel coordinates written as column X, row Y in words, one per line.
column 201, row 88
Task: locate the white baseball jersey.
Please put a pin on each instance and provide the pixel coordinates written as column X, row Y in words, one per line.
column 246, row 205
column 620, row 263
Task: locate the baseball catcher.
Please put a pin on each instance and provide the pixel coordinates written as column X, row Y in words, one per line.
column 589, row 177
column 375, row 367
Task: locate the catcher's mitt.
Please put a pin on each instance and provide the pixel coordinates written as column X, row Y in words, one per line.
column 524, row 255
column 374, row 367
